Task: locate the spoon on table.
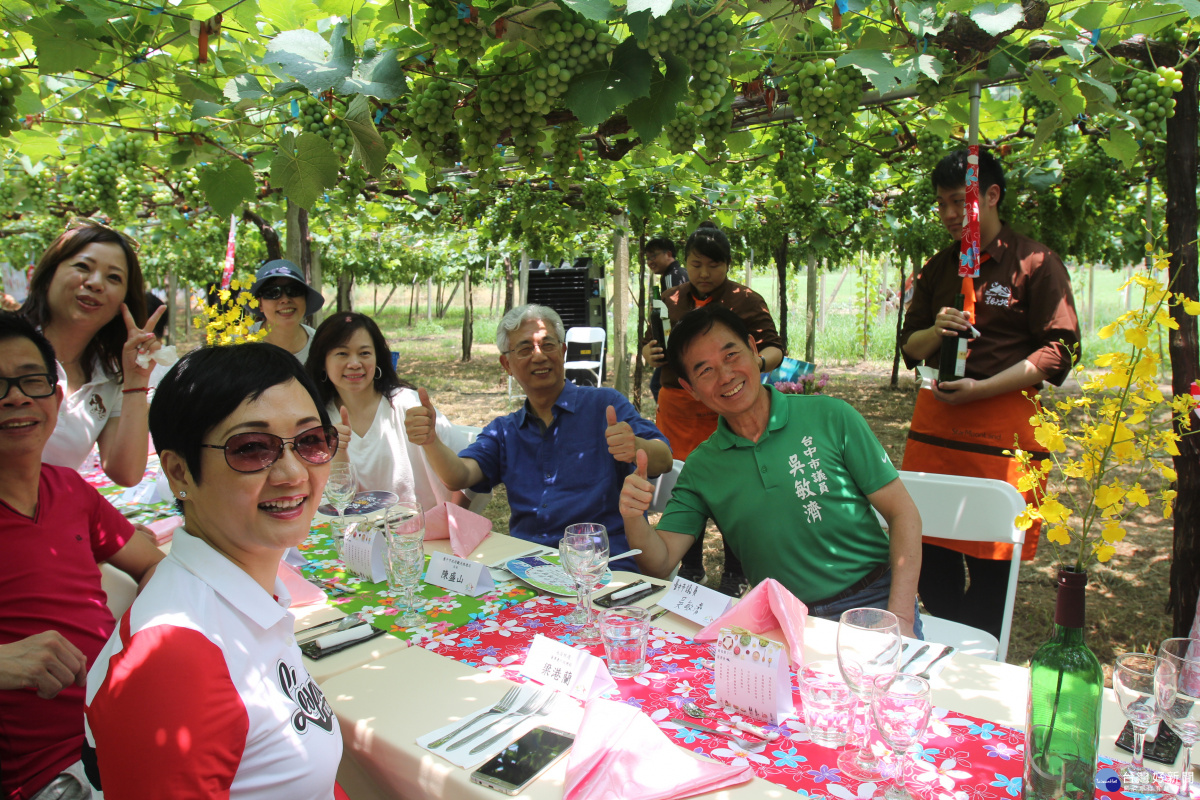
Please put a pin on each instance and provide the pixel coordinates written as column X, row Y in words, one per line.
column 696, row 712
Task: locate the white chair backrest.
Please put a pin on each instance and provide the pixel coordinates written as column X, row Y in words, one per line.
column 664, row 485
column 461, row 436
column 581, row 334
column 972, row 510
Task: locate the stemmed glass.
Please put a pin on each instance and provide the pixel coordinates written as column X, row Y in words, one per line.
column 340, row 489
column 406, row 559
column 901, row 707
column 1133, row 682
column 403, row 522
column 1177, row 690
column 584, row 555
column 868, row 645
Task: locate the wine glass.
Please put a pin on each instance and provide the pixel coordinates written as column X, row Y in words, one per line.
column 1133, row 682
column 901, row 707
column 1177, row 691
column 403, row 522
column 406, row 559
column 868, row 645
column 584, row 555
column 340, row 489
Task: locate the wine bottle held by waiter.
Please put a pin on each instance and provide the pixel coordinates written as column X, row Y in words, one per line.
column 952, row 361
column 660, row 322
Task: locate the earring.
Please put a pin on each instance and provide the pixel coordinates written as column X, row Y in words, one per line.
column 182, row 495
column 378, row 373
column 324, row 376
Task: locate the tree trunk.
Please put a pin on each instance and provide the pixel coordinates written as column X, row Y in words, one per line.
column 412, row 300
column 468, row 326
column 187, row 311
column 443, row 308
column 620, row 302
column 636, row 398
column 508, row 284
column 391, row 292
column 1182, row 268
column 429, row 299
column 345, row 292
column 899, row 324
column 269, row 234
column 316, row 281
column 781, row 275
column 523, row 279
column 172, row 308
column 810, row 314
column 750, row 268
column 299, row 248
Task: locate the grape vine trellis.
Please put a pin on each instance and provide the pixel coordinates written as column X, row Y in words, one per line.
column 533, row 125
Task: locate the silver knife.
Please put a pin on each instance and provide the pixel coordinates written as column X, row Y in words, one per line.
column 920, row 652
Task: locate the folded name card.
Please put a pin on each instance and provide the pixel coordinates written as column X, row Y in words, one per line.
column 363, row 553
column 752, row 675
column 458, row 574
column 695, row 602
column 560, row 666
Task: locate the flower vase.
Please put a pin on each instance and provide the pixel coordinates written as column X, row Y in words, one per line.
column 1062, row 722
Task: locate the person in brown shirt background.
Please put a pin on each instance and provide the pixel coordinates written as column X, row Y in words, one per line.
column 1029, row 334
column 707, row 257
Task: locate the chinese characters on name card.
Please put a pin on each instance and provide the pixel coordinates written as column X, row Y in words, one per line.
column 561, row 666
column 362, row 553
column 458, row 574
column 695, row 602
column 752, row 675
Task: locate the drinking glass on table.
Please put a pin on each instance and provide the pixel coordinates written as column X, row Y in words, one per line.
column 406, row 560
column 868, row 645
column 584, row 555
column 404, row 522
column 1133, row 683
column 340, row 489
column 828, row 703
column 625, row 630
column 900, row 707
column 1177, row 691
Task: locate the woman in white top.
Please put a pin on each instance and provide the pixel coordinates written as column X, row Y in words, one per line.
column 352, row 367
column 87, row 296
column 284, row 299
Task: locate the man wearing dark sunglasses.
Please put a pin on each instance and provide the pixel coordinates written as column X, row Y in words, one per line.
column 56, row 529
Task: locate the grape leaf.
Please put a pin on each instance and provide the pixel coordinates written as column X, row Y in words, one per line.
column 996, row 20
column 35, row 144
column 639, row 24
column 1045, row 127
column 203, row 108
column 307, row 57
column 930, row 66
column 595, row 94
column 595, row 10
column 382, row 77
column 304, row 167
column 649, row 114
column 58, row 51
column 877, row 66
column 244, row 87
column 369, row 146
column 227, row 184
column 655, row 7
column 1120, row 145
column 288, row 14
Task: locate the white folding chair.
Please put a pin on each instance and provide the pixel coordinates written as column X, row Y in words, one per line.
column 663, row 486
column 970, row 510
column 588, row 352
column 460, row 437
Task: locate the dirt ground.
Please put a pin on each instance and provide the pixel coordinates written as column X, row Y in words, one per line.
column 1126, row 597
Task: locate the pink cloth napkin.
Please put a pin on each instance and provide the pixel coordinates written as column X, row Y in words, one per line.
column 768, row 606
column 303, row 593
column 620, row 752
column 164, row 529
column 464, row 528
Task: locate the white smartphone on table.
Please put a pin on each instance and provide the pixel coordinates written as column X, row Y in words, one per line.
column 523, row 761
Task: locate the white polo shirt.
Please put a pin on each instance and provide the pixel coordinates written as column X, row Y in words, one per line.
column 201, row 691
column 82, row 417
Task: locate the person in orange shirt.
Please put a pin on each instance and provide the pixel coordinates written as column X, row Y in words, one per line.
column 1022, row 306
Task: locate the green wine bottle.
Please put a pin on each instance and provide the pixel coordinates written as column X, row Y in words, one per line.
column 1062, row 722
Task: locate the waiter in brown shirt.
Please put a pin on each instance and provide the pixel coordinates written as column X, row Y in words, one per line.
column 707, row 257
column 1029, row 334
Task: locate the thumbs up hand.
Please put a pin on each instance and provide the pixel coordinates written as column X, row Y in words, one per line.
column 621, row 442
column 638, row 491
column 419, row 421
column 343, row 430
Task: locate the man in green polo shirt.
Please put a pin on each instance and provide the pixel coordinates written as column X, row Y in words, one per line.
column 792, row 482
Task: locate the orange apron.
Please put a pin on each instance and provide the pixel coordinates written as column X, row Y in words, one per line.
column 685, row 421
column 969, row 440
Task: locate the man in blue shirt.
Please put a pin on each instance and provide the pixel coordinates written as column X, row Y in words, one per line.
column 564, row 456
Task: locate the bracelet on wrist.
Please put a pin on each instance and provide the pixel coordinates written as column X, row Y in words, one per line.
column 142, row 389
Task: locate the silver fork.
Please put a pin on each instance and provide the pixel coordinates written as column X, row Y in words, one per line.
column 541, row 711
column 501, row 707
column 925, row 672
column 525, row 710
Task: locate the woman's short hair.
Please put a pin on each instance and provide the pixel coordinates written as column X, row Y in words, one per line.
column 109, row 341
column 334, row 332
column 518, row 316
column 207, row 385
column 708, row 240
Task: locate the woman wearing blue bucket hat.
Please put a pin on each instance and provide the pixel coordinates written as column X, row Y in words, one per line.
column 284, row 299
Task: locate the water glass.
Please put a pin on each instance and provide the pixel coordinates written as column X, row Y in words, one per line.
column 900, row 707
column 625, row 630
column 1177, row 692
column 340, row 489
column 828, row 703
column 1133, row 683
column 405, row 520
column 868, row 645
column 406, row 560
column 584, row 553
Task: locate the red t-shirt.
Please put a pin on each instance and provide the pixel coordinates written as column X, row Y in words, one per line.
column 49, row 581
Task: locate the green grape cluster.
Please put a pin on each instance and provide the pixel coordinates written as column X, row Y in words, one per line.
column 734, row 172
column 823, row 96
column 479, row 152
column 795, row 153
column 501, row 98
column 1152, row 97
column 1039, row 109
column 443, row 26
column 706, row 43
column 527, row 142
column 352, row 184
column 566, row 154
column 92, row 184
column 851, row 198
column 429, row 116
column 681, row 131
column 595, row 198
column 327, row 122
column 1090, row 177
column 187, row 190
column 928, row 150
column 714, row 126
column 11, row 85
column 931, row 92
column 129, row 196
column 570, row 44
column 1176, row 33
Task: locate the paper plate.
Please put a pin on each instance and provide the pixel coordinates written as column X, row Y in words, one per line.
column 545, row 575
column 364, row 503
